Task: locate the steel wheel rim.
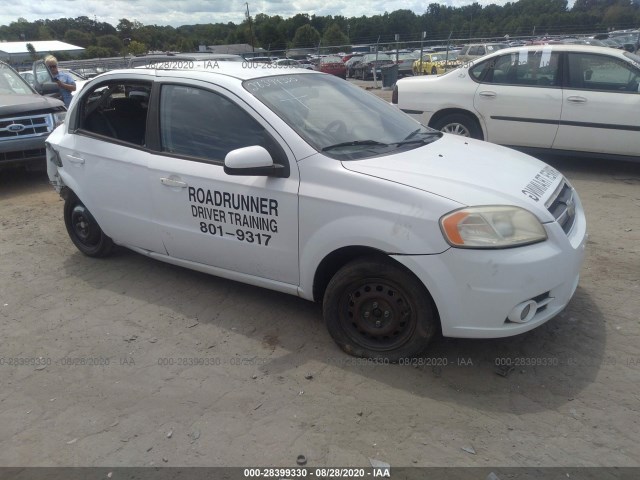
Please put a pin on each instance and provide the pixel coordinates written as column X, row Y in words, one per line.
column 84, row 227
column 378, row 314
column 456, row 129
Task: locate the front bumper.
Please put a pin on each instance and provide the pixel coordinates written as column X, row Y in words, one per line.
column 475, row 290
column 19, row 150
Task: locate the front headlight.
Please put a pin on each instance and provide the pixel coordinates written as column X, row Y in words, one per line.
column 491, row 226
column 58, row 118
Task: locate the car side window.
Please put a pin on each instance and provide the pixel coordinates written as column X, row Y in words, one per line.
column 481, row 51
column 117, row 111
column 203, row 124
column 527, row 68
column 599, row 72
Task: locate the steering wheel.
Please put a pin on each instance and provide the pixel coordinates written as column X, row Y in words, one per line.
column 335, row 127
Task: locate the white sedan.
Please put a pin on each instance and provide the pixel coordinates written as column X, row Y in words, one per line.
column 303, row 183
column 559, row 98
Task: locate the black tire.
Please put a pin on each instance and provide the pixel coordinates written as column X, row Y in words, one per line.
column 84, row 231
column 374, row 308
column 459, row 124
column 434, row 71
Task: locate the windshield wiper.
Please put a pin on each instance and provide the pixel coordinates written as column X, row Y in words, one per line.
column 355, row 143
column 413, row 134
column 427, row 137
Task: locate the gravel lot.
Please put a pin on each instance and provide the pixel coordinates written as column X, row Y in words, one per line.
column 131, row 362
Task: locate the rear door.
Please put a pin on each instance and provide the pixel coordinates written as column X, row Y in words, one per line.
column 106, row 158
column 520, row 98
column 601, row 105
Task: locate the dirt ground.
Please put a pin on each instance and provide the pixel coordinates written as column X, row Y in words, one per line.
column 131, row 362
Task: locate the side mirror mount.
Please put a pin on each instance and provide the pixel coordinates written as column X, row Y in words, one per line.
column 252, row 161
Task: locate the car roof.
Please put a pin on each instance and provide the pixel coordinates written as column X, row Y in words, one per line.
column 205, row 69
column 562, row 47
column 182, row 57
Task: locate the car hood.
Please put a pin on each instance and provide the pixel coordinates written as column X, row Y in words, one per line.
column 16, row 104
column 470, row 172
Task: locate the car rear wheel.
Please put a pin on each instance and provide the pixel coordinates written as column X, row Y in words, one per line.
column 434, row 71
column 374, row 308
column 84, row 231
column 459, row 124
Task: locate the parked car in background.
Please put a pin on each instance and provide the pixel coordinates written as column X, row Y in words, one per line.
column 308, row 185
column 559, row 98
column 477, row 50
column 436, row 63
column 371, row 63
column 88, row 72
column 405, row 63
column 291, row 63
column 351, row 64
column 26, row 119
column 334, row 65
column 346, row 57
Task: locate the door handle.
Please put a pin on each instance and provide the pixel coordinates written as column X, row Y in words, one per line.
column 487, row 94
column 576, row 99
column 171, row 182
column 78, row 160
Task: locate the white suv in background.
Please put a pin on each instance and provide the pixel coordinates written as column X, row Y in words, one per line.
column 559, row 98
column 477, row 50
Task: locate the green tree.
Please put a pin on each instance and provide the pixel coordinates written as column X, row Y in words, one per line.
column 97, row 52
column 137, row 48
column 306, row 36
column 32, row 52
column 335, row 36
column 111, row 43
column 76, row 37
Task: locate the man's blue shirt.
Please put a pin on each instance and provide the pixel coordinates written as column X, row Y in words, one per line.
column 64, row 77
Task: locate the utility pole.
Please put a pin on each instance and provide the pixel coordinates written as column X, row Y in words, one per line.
column 253, row 48
column 424, row 35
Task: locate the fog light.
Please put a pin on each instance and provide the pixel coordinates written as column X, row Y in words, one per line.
column 523, row 312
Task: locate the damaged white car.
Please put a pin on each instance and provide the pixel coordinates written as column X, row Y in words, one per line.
column 302, row 183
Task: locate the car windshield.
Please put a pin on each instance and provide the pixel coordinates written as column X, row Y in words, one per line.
column 337, row 118
column 11, row 83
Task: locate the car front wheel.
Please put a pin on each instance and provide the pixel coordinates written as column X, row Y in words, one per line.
column 84, row 231
column 374, row 308
column 459, row 124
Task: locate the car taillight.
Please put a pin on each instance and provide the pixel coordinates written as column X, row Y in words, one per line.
column 394, row 95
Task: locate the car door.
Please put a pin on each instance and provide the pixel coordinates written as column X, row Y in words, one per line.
column 601, row 105
column 520, row 98
column 42, row 80
column 246, row 224
column 106, row 157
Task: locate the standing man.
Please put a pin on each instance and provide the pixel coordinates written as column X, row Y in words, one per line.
column 65, row 82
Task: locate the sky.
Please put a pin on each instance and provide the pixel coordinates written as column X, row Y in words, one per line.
column 189, row 12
